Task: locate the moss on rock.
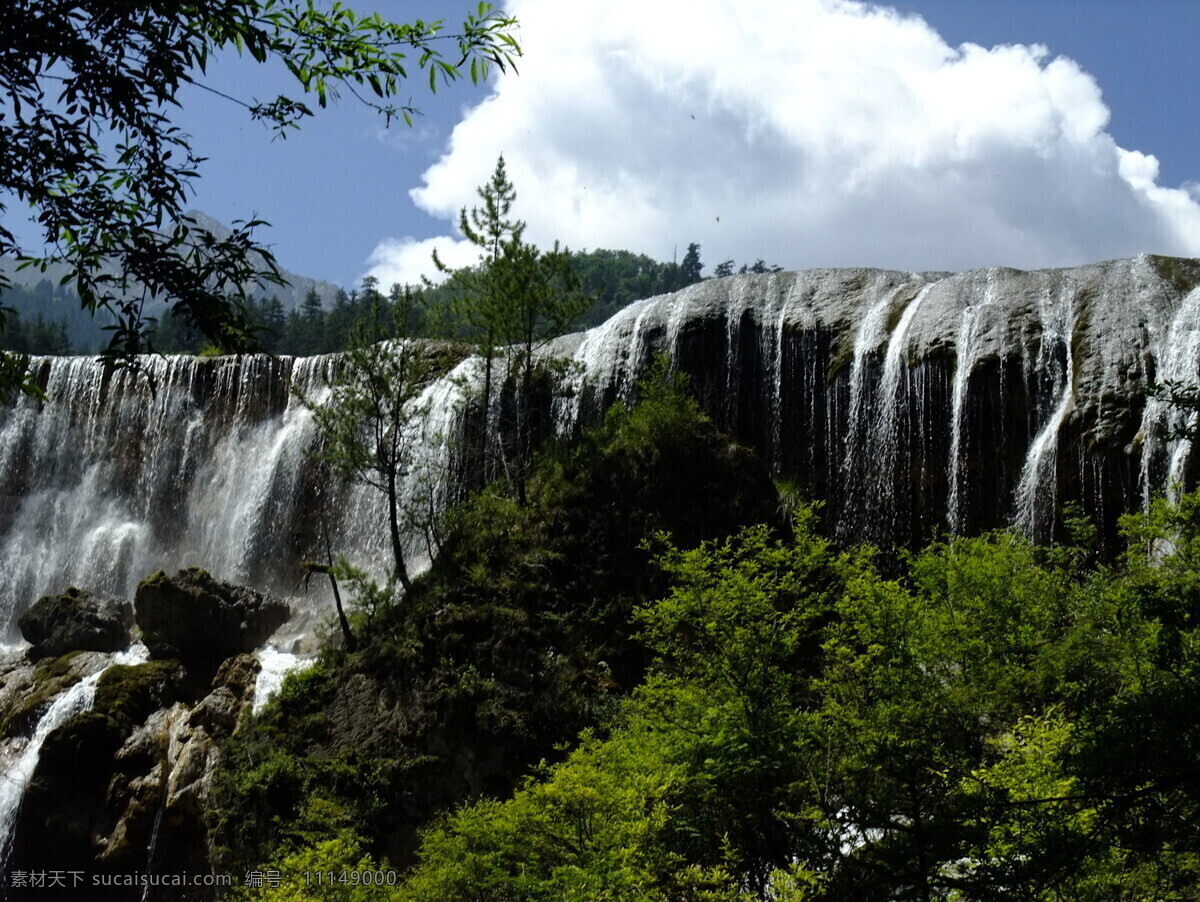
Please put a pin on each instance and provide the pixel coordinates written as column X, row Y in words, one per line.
column 131, row 692
column 51, row 677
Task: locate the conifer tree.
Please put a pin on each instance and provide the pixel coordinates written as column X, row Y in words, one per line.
column 691, row 266
column 478, row 302
column 513, row 301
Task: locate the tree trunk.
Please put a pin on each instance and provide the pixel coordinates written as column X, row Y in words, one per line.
column 400, row 571
column 343, row 621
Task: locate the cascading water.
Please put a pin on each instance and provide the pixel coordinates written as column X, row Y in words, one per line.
column 872, row 332
column 201, row 463
column 15, row 778
column 954, row 395
column 966, row 354
column 885, row 440
column 1178, row 364
column 1037, row 490
column 908, row 403
column 275, row 665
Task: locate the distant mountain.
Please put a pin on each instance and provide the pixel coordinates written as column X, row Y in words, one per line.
column 290, row 295
column 35, row 294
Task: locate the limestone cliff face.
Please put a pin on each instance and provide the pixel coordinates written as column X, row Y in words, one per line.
column 910, row 403
column 919, row 403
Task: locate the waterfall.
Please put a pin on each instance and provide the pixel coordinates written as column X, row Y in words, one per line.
column 17, row 774
column 204, row 462
column 1179, row 363
column 1037, row 491
column 887, row 440
column 873, row 440
column 275, row 665
column 871, row 333
column 966, row 352
column 117, row 475
column 906, row 402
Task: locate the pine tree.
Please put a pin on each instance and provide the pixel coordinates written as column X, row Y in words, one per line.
column 516, row 299
column 691, row 266
column 310, row 325
column 274, row 322
column 543, row 296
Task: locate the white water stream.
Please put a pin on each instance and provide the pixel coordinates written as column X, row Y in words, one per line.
column 1036, row 494
column 75, row 700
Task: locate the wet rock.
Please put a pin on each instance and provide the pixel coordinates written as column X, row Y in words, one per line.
column 64, row 818
column 201, row 620
column 27, row 689
column 190, row 779
column 137, row 789
column 156, row 797
column 76, row 620
column 239, row 674
column 218, row 712
column 131, row 693
column 111, row 796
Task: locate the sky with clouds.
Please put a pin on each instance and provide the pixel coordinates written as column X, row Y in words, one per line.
column 809, row 133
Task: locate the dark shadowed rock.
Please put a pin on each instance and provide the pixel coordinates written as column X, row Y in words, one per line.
column 201, row 620
column 233, row 694
column 76, row 620
column 124, row 788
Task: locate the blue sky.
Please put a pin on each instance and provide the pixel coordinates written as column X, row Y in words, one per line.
column 809, row 133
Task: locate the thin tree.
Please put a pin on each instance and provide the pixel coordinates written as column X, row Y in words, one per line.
column 544, row 296
column 479, row 301
column 370, row 424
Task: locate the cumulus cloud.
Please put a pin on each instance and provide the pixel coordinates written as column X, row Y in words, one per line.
column 405, row 261
column 812, row 133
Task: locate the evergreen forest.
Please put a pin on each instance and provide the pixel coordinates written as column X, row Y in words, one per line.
column 48, row 319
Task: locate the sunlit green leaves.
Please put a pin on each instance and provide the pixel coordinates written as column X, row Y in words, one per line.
column 999, row 723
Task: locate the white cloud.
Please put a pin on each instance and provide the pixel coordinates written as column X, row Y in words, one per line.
column 405, row 261
column 809, row 133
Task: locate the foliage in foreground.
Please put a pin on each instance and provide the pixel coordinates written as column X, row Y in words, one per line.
column 1003, row 723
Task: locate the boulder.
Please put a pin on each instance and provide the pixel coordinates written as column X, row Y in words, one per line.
column 76, row 620
column 130, row 693
column 201, row 620
column 218, row 712
column 240, row 676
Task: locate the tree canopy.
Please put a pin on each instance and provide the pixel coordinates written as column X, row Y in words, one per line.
column 88, row 146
